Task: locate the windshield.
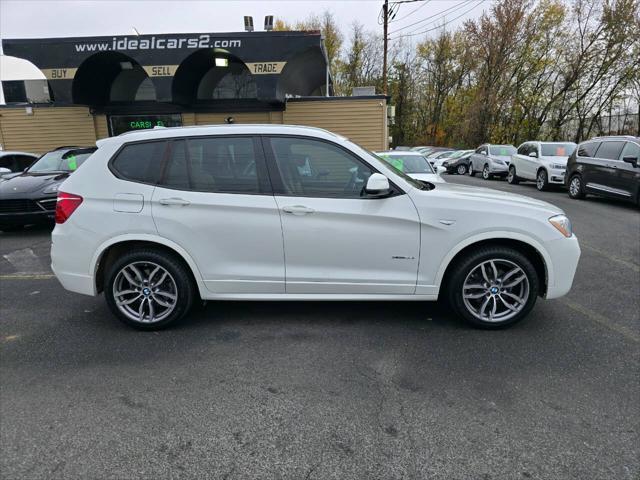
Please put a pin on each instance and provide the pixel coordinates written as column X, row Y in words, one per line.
column 60, row 161
column 502, row 150
column 557, row 149
column 408, row 163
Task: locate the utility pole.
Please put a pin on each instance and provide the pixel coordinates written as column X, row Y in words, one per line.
column 385, row 14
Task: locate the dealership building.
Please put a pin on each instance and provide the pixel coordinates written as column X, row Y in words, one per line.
column 73, row 91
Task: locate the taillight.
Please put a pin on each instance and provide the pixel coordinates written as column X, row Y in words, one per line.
column 66, row 205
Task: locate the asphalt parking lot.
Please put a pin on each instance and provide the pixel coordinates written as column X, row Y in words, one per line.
column 327, row 390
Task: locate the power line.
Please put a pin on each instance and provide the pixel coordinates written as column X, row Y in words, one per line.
column 426, row 2
column 439, row 26
column 453, row 7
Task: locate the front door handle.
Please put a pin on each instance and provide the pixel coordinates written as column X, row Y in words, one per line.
column 174, row 201
column 298, row 209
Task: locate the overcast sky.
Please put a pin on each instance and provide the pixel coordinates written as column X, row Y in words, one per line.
column 70, row 18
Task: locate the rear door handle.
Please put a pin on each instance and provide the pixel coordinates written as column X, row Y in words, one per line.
column 174, row 201
column 298, row 209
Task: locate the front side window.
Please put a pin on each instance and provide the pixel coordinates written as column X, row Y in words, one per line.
column 140, row 162
column 523, row 149
column 314, row 168
column 610, row 150
column 213, row 164
column 588, row 149
column 630, row 150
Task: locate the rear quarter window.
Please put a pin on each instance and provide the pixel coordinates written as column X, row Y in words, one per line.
column 140, row 162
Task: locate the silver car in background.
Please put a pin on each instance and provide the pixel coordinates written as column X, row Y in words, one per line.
column 491, row 160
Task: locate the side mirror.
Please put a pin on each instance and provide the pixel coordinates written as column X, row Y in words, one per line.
column 4, row 170
column 377, row 184
column 533, row 154
column 632, row 160
column 440, row 169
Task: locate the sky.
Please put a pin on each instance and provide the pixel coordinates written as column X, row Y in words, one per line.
column 70, row 18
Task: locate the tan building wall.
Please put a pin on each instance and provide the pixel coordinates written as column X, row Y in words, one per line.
column 361, row 120
column 46, row 128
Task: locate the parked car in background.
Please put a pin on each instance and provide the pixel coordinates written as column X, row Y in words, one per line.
column 458, row 162
column 15, row 162
column 413, row 164
column 30, row 197
column 491, row 160
column 439, row 158
column 542, row 162
column 422, row 149
column 605, row 166
column 402, row 148
column 160, row 218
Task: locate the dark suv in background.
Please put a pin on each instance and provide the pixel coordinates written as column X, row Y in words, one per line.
column 606, row 166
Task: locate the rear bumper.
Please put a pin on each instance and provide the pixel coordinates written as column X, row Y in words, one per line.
column 70, row 260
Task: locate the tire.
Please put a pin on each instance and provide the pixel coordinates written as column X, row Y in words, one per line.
column 511, row 176
column 461, row 169
column 149, row 301
column 576, row 188
column 471, row 172
column 486, row 174
column 542, row 180
column 466, row 271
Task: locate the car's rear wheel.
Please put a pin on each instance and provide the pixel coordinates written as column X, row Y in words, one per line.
column 486, row 174
column 148, row 289
column 493, row 287
column 471, row 171
column 542, row 180
column 576, row 189
column 511, row 176
column 462, row 169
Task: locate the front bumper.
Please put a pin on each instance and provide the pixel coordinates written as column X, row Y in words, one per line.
column 497, row 169
column 565, row 254
column 556, row 175
column 21, row 211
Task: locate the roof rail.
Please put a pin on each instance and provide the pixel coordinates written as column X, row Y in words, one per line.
column 615, row 136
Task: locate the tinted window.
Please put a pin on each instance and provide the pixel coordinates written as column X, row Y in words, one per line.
column 221, row 165
column 523, row 149
column 610, row 150
column 24, row 161
column 630, row 150
column 588, row 149
column 140, row 161
column 314, row 168
column 7, row 162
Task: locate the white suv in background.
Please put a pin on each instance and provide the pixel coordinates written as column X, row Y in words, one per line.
column 157, row 219
column 542, row 162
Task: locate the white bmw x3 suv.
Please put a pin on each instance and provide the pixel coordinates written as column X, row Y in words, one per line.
column 157, row 219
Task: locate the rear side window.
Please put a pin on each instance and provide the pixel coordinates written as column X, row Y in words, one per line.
column 218, row 165
column 610, row 150
column 588, row 149
column 140, row 162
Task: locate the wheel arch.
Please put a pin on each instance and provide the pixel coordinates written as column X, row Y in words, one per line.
column 532, row 249
column 108, row 252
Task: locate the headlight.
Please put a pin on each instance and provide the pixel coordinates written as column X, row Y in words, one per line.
column 51, row 188
column 558, row 166
column 563, row 224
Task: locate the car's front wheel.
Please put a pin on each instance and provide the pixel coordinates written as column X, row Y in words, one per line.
column 542, row 180
column 486, row 174
column 148, row 289
column 576, row 190
column 462, row 169
column 493, row 287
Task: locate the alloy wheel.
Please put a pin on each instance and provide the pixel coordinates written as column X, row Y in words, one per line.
column 495, row 290
column 541, row 180
column 145, row 292
column 575, row 187
column 485, row 172
column 462, row 169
